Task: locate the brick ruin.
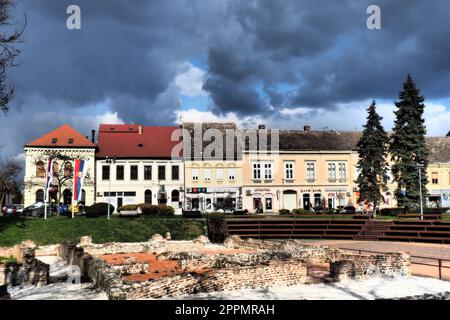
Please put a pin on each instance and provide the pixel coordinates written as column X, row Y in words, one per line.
column 161, row 268
column 26, row 270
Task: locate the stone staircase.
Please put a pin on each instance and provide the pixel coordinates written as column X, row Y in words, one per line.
column 373, row 229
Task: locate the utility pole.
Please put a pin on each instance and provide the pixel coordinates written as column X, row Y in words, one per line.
column 110, row 161
column 420, row 166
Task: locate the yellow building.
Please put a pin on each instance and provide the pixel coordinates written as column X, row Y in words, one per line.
column 309, row 169
column 211, row 175
column 439, row 172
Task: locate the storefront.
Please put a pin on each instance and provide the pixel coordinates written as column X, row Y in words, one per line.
column 439, row 198
column 205, row 199
column 338, row 197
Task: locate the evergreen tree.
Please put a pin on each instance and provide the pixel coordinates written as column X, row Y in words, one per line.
column 408, row 147
column 372, row 164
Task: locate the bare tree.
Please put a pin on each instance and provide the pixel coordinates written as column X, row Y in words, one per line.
column 10, row 180
column 10, row 35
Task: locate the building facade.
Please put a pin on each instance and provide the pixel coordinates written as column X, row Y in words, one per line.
column 309, row 170
column 134, row 164
column 64, row 145
column 213, row 166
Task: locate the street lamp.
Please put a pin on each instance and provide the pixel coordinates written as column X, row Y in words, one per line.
column 110, row 161
column 420, row 166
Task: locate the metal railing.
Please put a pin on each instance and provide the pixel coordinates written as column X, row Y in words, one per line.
column 439, row 264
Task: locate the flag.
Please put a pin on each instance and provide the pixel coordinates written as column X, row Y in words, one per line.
column 78, row 179
column 48, row 178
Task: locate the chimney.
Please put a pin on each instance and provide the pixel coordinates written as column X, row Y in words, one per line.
column 262, row 127
column 307, row 128
column 140, row 129
column 93, row 136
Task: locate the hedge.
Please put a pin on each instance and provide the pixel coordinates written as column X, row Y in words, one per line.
column 301, row 211
column 99, row 209
column 156, row 210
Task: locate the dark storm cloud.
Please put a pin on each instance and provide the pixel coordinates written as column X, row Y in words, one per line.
column 325, row 53
column 261, row 56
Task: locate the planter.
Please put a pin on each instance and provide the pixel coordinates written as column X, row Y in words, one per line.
column 128, row 213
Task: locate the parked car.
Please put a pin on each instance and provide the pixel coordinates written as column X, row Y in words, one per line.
column 10, row 210
column 38, row 210
column 348, row 210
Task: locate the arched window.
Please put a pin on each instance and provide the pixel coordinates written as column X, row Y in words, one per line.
column 175, row 196
column 68, row 169
column 40, row 169
column 67, row 196
column 40, row 195
column 148, row 196
column 83, row 197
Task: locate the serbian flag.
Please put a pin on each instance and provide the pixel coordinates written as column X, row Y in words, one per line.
column 48, row 178
column 78, row 179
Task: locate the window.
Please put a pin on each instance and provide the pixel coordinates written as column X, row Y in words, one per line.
column 342, row 171
column 129, row 194
column 68, row 169
column 70, row 141
column 40, row 195
column 207, row 174
column 434, row 178
column 147, row 172
column 219, row 173
column 194, row 174
column 54, row 140
column 268, row 170
column 120, row 172
column 256, row 171
column 310, row 171
column 289, row 170
column 331, row 171
column 175, row 196
column 161, row 172
column 231, row 174
column 40, row 170
column 175, row 173
column 133, row 172
column 105, row 172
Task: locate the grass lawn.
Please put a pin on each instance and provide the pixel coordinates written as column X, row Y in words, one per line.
column 56, row 229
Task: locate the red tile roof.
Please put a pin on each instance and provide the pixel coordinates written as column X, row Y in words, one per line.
column 135, row 141
column 64, row 136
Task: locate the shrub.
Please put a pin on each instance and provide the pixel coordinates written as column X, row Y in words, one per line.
column 301, row 211
column 5, row 260
column 284, row 212
column 192, row 214
column 129, row 207
column 99, row 209
column 156, row 210
column 216, row 216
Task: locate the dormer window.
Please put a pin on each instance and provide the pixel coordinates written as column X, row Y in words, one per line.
column 54, row 140
column 70, row 141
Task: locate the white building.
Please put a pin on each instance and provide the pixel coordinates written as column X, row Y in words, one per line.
column 142, row 169
column 65, row 144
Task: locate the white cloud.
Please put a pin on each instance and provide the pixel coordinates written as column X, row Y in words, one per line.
column 190, row 81
column 346, row 117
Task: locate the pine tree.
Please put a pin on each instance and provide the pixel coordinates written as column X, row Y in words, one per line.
column 372, row 163
column 408, row 147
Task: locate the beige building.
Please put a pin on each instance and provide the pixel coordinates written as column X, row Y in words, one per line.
column 64, row 144
column 309, row 169
column 211, row 174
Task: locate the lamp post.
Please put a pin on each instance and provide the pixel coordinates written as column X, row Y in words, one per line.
column 110, row 161
column 420, row 166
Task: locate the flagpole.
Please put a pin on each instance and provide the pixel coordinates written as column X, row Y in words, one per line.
column 45, row 207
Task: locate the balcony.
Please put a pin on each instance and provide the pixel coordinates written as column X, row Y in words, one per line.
column 310, row 180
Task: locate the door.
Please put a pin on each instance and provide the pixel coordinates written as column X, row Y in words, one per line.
column 119, row 202
column 289, row 200
column 306, row 201
column 269, row 204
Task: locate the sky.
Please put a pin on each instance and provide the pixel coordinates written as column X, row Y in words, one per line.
column 283, row 63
